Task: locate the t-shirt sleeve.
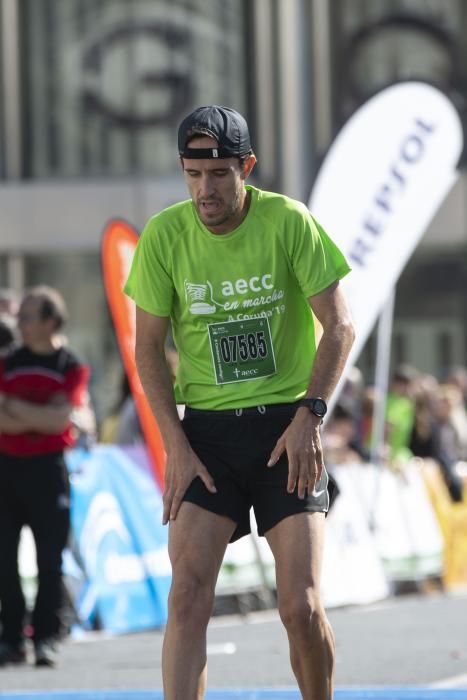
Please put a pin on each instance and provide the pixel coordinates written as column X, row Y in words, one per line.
column 149, row 283
column 76, row 384
column 316, row 259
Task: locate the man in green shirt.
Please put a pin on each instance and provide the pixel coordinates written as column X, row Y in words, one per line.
column 239, row 273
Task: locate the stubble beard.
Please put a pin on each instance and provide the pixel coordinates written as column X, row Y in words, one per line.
column 224, row 216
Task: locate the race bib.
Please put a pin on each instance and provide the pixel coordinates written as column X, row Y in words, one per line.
column 241, row 350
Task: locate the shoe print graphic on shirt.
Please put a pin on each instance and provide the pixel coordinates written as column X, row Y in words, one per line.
column 199, row 298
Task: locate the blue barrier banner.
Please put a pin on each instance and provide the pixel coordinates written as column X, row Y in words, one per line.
column 118, row 538
column 248, row 694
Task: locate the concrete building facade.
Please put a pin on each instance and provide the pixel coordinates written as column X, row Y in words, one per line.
column 91, row 95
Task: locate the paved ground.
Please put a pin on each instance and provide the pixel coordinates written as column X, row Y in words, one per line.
column 403, row 642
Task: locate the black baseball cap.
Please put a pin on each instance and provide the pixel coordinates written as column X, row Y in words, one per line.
column 224, row 124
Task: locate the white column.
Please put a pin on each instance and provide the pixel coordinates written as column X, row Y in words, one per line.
column 15, row 272
column 11, row 80
column 294, row 88
column 382, row 370
column 322, row 74
column 265, row 137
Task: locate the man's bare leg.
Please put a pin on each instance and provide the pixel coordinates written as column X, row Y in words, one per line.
column 197, row 543
column 297, row 543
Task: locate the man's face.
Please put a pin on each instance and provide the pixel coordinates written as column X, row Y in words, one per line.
column 32, row 327
column 217, row 187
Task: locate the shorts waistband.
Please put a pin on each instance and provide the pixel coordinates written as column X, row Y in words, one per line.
column 238, row 412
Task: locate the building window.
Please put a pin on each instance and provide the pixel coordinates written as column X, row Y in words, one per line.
column 379, row 42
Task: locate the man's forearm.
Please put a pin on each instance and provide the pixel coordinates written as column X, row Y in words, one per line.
column 157, row 384
column 41, row 418
column 331, row 356
column 11, row 425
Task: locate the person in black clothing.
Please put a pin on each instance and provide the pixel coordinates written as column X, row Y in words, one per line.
column 431, row 426
column 41, row 382
column 341, row 436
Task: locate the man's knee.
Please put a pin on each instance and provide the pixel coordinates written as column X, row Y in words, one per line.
column 191, row 600
column 300, row 614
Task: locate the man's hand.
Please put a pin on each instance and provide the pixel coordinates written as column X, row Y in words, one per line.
column 181, row 468
column 302, row 443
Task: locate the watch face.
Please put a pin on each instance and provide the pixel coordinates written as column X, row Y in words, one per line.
column 319, row 407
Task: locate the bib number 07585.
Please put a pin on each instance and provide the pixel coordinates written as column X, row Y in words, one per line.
column 245, row 346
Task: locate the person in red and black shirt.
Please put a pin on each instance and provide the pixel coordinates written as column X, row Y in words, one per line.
column 41, row 383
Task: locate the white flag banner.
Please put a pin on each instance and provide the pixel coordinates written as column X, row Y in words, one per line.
column 382, row 181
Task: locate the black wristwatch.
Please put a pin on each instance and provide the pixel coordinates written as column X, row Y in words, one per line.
column 316, row 405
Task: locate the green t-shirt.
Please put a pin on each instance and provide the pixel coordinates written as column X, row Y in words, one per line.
column 238, row 302
column 400, row 413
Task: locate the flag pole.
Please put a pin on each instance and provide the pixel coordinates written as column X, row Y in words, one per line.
column 382, row 369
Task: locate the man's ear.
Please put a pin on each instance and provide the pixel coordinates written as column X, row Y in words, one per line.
column 248, row 166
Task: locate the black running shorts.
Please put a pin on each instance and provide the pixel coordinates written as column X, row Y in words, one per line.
column 235, row 446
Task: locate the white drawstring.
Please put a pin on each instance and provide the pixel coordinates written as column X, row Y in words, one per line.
column 260, row 409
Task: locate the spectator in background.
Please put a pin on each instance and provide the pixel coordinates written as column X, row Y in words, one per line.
column 457, row 375
column 431, row 437
column 124, row 406
column 452, row 445
column 352, row 391
column 452, row 398
column 41, row 382
column 341, row 441
column 122, row 426
column 367, row 411
column 400, row 412
column 351, row 398
column 458, row 381
column 9, row 301
column 83, row 420
column 424, row 439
